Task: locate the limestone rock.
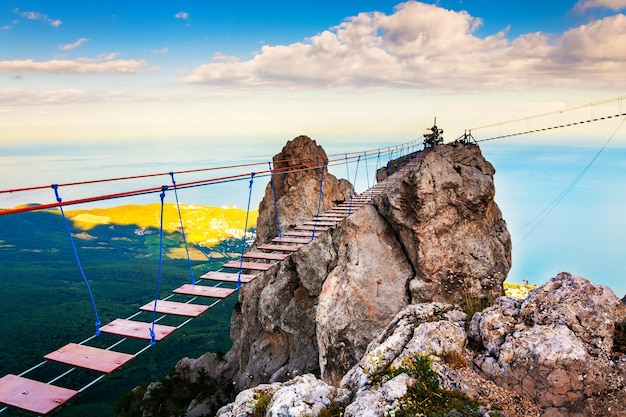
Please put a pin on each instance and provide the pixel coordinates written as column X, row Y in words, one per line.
column 554, row 347
column 297, row 193
column 435, row 236
column 302, row 396
column 433, row 329
column 450, row 227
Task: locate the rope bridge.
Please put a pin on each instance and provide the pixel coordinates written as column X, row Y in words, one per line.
column 42, row 398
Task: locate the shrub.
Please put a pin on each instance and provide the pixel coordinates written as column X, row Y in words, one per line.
column 262, row 400
column 426, row 397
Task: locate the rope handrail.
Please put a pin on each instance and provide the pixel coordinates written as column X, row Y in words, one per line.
column 217, row 180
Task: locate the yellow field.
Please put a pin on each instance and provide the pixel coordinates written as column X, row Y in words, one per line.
column 519, row 291
column 204, row 225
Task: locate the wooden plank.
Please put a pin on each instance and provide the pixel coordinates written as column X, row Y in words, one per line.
column 303, row 233
column 265, row 255
column 227, row 277
column 320, row 223
column 137, row 329
column 204, row 291
column 285, row 248
column 175, row 308
column 291, row 240
column 312, row 227
column 33, row 396
column 254, row 266
column 88, row 357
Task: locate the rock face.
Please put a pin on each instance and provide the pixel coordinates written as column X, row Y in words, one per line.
column 434, row 236
column 549, row 355
column 556, row 346
column 449, row 226
column 297, row 193
column 330, row 325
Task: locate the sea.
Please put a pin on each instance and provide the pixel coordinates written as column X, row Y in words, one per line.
column 563, row 204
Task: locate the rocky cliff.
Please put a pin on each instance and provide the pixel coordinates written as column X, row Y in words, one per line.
column 347, row 320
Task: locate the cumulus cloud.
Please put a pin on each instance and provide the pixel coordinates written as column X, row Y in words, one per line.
column 616, row 5
column 31, row 15
column 101, row 65
column 182, row 15
column 73, row 45
column 424, row 46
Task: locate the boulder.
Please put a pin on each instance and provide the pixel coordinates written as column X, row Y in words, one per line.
column 554, row 347
column 298, row 171
column 450, row 227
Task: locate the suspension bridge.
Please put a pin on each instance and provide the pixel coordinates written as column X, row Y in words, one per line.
column 21, row 392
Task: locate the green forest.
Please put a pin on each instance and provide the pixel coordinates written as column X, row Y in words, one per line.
column 45, row 303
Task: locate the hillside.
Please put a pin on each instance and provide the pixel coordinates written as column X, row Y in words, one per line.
column 45, row 303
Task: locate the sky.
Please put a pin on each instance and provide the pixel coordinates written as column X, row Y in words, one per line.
column 112, row 70
column 181, row 75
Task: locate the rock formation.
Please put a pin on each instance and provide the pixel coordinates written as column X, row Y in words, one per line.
column 297, row 194
column 323, row 326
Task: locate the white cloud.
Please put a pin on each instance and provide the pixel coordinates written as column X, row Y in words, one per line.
column 104, row 65
column 73, row 45
column 427, row 47
column 616, row 5
column 11, row 26
column 182, row 15
column 31, row 15
column 163, row 50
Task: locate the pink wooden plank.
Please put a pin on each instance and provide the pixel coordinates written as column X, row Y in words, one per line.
column 204, row 291
column 265, row 255
column 88, row 357
column 312, row 228
column 175, row 309
column 303, row 233
column 137, row 329
column 256, row 266
column 33, row 396
column 291, row 240
column 227, row 277
column 285, row 248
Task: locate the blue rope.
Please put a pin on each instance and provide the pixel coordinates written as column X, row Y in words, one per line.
column 280, row 231
column 367, row 173
column 320, row 200
column 356, row 173
column 182, row 229
column 55, row 187
column 158, row 286
column 245, row 231
column 376, row 171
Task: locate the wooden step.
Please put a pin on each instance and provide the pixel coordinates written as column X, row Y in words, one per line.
column 284, row 248
column 175, row 308
column 303, row 233
column 228, row 277
column 33, row 396
column 254, row 266
column 291, row 240
column 88, row 357
column 204, row 291
column 312, row 228
column 137, row 329
column 265, row 255
column 319, row 223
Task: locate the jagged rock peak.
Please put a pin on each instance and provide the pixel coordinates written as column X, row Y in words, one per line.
column 296, row 188
column 435, row 235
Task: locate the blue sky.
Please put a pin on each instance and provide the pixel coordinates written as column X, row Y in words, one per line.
column 105, row 72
